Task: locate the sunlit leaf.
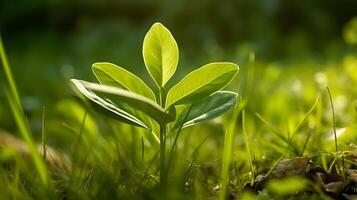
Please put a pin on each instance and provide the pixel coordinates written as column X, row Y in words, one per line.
column 107, row 108
column 207, row 108
column 135, row 101
column 201, row 83
column 160, row 54
column 113, row 75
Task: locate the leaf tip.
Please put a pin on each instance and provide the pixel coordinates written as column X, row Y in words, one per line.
column 95, row 64
column 157, row 24
column 73, row 80
column 233, row 65
column 98, row 64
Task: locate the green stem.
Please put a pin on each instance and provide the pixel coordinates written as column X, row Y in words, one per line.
column 163, row 174
column 163, row 127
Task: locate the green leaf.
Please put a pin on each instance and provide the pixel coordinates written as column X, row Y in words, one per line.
column 134, row 100
column 207, row 108
column 201, row 83
column 113, row 75
column 106, row 107
column 160, row 54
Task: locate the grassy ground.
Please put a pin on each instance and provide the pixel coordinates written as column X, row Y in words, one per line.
column 271, row 146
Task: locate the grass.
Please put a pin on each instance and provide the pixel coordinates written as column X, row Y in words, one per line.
column 227, row 153
column 13, row 98
column 285, row 112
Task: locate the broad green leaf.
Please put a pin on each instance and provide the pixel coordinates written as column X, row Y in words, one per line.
column 113, row 75
column 201, row 83
column 106, row 107
column 134, row 100
column 160, row 54
column 206, row 109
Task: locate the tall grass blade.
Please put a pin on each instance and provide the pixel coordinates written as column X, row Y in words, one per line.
column 173, row 147
column 193, row 159
column 26, row 135
column 75, row 153
column 13, row 98
column 334, row 130
column 277, row 133
column 8, row 74
column 227, row 153
column 333, row 118
column 298, row 126
column 307, row 115
column 244, row 130
column 44, row 148
column 250, row 76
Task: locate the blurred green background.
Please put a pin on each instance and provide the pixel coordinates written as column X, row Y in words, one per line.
column 49, row 42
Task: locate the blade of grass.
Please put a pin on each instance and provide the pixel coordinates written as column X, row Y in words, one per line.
column 27, row 136
column 271, row 127
column 71, row 176
column 44, row 148
column 8, row 74
column 333, row 118
column 193, row 159
column 305, row 143
column 307, row 115
column 173, row 147
column 246, row 140
column 79, row 137
column 227, row 152
column 250, row 76
column 334, row 130
column 335, row 160
column 277, row 133
column 298, row 126
column 238, row 178
column 152, row 162
column 13, row 99
column 275, row 164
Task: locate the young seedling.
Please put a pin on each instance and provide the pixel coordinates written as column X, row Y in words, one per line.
column 125, row 97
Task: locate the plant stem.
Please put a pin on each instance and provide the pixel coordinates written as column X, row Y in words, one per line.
column 163, row 172
column 334, row 131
